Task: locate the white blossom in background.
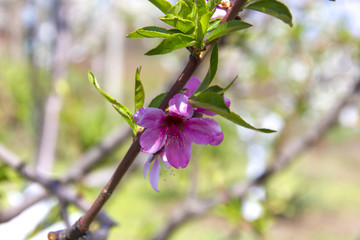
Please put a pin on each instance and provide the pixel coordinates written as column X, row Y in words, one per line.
column 251, row 210
column 349, row 116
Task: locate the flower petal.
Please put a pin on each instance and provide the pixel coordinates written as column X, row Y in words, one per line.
column 177, row 148
column 205, row 111
column 154, row 174
column 203, row 131
column 149, row 117
column 227, row 101
column 219, row 13
column 153, row 139
column 180, row 107
column 147, row 166
column 192, row 85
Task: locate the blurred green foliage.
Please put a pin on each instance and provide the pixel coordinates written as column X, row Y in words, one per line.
column 281, row 70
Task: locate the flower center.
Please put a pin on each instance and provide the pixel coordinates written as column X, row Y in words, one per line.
column 225, row 4
column 174, row 122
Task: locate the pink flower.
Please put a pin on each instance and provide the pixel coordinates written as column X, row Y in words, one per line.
column 221, row 9
column 174, row 133
column 192, row 85
column 157, row 159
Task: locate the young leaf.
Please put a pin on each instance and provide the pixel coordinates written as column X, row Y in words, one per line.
column 215, row 102
column 202, row 27
column 183, row 25
column 228, row 86
column 163, row 5
column 155, row 103
column 211, row 4
column 227, row 28
column 181, row 9
column 149, row 32
column 212, row 69
column 211, row 101
column 273, row 8
column 215, row 89
column 213, row 24
column 139, row 91
column 201, row 8
column 171, row 43
column 238, row 120
column 124, row 112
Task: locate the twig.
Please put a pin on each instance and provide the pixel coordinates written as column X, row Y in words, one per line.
column 63, row 193
column 94, row 155
column 77, row 171
column 82, row 225
column 8, row 214
column 283, row 158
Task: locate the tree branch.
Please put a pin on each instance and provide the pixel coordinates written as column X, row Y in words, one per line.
column 63, row 193
column 77, row 171
column 84, row 222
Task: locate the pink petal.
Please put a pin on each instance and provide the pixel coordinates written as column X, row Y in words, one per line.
column 149, row 117
column 153, row 139
column 205, row 111
column 154, row 174
column 180, row 107
column 177, row 149
column 147, row 166
column 203, row 131
column 192, row 85
column 227, row 101
column 219, row 13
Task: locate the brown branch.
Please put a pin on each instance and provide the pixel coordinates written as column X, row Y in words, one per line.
column 56, row 188
column 95, row 154
column 84, row 222
column 283, row 158
column 28, row 201
column 77, row 171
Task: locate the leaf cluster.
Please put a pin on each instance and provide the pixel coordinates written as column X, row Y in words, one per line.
column 190, row 21
column 192, row 25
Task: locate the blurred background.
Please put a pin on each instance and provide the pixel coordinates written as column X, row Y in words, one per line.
column 288, row 79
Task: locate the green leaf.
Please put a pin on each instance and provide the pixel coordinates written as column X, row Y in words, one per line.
column 163, row 5
column 211, row 4
column 213, row 24
column 139, row 91
column 202, row 27
column 228, row 86
column 171, row 43
column 155, row 103
column 124, row 112
column 183, row 25
column 201, row 8
column 149, row 32
column 227, row 28
column 181, row 9
column 211, row 101
column 212, row 69
column 215, row 89
column 238, row 120
column 52, row 217
column 273, row 8
column 215, row 102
